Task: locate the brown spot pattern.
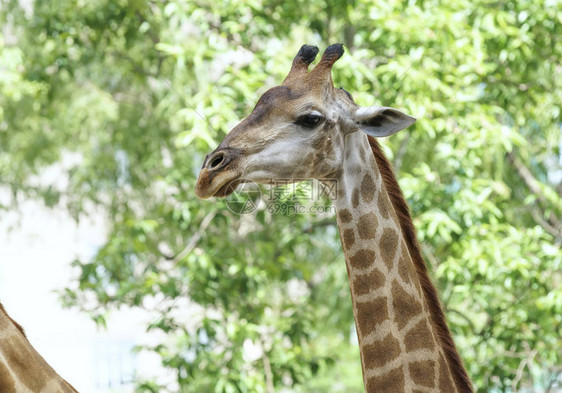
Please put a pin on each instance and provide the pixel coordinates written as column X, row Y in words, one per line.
column 345, row 216
column 388, row 245
column 367, row 226
column 355, row 169
column 384, row 205
column 423, row 373
column 370, row 315
column 348, row 238
column 380, row 352
column 405, row 305
column 405, row 267
column 362, row 259
column 355, row 198
column 391, row 382
column 370, row 282
column 419, row 337
column 368, row 188
column 457, row 371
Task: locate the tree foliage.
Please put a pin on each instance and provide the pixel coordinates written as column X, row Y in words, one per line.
column 128, row 96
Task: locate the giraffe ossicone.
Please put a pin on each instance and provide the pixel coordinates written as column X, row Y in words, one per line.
column 307, row 128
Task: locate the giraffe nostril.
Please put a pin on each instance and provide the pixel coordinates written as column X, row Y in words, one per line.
column 217, row 161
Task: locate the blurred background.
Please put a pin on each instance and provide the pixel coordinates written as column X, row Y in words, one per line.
column 125, row 281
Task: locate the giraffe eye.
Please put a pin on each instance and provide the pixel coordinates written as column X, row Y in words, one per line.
column 309, row 121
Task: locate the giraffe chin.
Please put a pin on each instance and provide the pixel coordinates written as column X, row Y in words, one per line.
column 227, row 189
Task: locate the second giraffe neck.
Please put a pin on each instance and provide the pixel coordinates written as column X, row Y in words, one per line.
column 398, row 343
column 22, row 368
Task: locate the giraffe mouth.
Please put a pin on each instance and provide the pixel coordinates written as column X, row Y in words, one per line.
column 227, row 189
column 210, row 185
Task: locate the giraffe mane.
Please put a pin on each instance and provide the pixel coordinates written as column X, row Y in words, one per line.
column 408, row 230
column 17, row 325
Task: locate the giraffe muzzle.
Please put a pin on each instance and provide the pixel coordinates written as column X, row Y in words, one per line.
column 219, row 174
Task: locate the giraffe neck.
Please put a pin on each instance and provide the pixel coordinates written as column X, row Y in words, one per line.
column 399, row 345
column 22, row 369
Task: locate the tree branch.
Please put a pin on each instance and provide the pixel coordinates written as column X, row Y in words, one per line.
column 552, row 222
column 537, row 216
column 519, row 373
column 463, row 316
column 526, row 175
column 195, row 238
column 269, row 387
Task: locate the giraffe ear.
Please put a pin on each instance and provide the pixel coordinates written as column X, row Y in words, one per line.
column 379, row 121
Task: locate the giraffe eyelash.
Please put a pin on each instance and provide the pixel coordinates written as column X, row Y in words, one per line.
column 310, row 120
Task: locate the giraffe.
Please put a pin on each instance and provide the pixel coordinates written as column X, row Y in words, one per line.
column 307, row 128
column 22, row 369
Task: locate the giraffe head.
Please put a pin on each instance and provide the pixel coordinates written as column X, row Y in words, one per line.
column 296, row 130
